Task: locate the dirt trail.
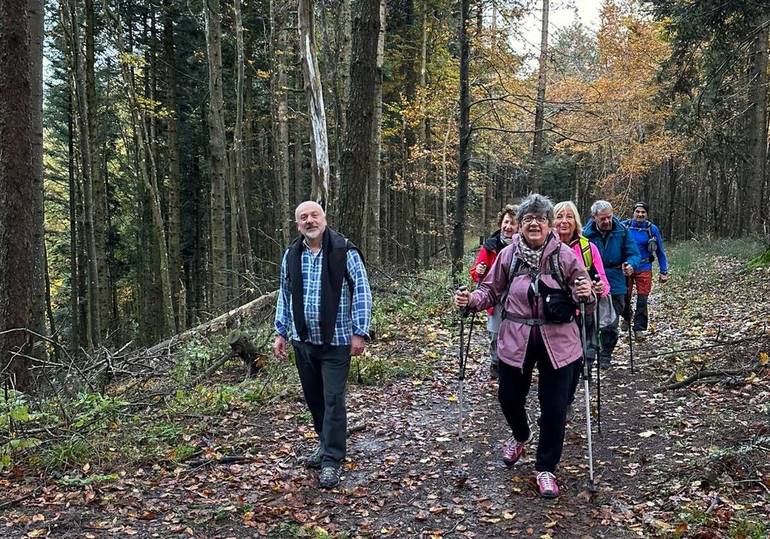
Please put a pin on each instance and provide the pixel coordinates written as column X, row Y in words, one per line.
column 658, row 465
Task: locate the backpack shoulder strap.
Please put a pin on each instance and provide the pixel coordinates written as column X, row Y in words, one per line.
column 554, row 263
column 585, row 249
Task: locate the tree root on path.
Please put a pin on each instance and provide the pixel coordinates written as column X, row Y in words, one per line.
column 702, row 375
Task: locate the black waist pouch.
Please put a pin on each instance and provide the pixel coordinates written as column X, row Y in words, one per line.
column 558, row 305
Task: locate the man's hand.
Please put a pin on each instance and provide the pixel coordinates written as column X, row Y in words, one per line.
column 663, row 277
column 628, row 269
column 481, row 269
column 279, row 347
column 357, row 345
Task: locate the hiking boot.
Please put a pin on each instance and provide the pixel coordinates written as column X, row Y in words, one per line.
column 494, row 370
column 513, row 450
column 313, row 460
column 639, row 336
column 546, row 484
column 330, row 477
column 623, row 325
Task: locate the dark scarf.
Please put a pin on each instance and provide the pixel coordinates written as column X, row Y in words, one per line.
column 335, row 248
column 496, row 242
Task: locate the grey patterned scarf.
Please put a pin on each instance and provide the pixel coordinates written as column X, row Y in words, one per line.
column 531, row 256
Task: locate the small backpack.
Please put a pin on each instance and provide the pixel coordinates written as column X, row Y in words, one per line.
column 652, row 242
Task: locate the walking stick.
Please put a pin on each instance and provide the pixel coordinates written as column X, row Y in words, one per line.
column 587, row 388
column 460, row 474
column 598, row 330
column 630, row 311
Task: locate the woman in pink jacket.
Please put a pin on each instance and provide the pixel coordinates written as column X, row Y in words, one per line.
column 567, row 225
column 539, row 280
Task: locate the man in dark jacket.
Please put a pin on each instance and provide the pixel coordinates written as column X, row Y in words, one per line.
column 324, row 308
column 620, row 255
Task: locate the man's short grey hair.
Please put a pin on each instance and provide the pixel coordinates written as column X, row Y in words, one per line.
column 599, row 206
column 536, row 204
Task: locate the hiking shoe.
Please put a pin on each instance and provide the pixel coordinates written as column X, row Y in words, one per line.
column 313, row 460
column 623, row 325
column 494, row 370
column 513, row 450
column 330, row 477
column 546, row 484
column 639, row 336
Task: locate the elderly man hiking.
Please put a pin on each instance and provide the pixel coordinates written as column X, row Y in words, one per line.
column 324, row 308
column 650, row 243
column 620, row 254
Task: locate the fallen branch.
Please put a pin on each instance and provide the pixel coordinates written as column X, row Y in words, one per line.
column 705, row 347
column 701, row 375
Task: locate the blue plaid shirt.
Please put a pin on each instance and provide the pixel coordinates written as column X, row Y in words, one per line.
column 353, row 318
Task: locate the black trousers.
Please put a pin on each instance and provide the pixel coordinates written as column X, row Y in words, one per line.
column 553, row 391
column 592, row 348
column 611, row 333
column 323, row 372
column 641, row 317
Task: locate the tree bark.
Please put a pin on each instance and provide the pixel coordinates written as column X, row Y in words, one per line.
column 537, row 141
column 93, row 326
column 16, row 191
column 315, row 100
column 36, row 14
column 458, row 243
column 357, row 155
column 372, row 244
column 217, row 155
column 280, row 102
column 756, row 135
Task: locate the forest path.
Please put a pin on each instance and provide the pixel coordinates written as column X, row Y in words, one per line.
column 669, row 462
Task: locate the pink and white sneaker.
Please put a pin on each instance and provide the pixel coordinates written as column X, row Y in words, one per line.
column 546, row 484
column 513, row 450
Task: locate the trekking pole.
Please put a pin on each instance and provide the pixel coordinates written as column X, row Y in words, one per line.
column 587, row 388
column 598, row 330
column 630, row 311
column 460, row 474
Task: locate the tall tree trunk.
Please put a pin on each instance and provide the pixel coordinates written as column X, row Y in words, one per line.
column 756, row 134
column 174, row 173
column 148, row 173
column 537, row 141
column 36, row 14
column 73, row 222
column 458, row 243
column 315, row 102
column 16, row 191
column 217, row 155
column 372, row 245
column 244, row 238
column 78, row 72
column 280, row 104
column 98, row 189
column 357, row 155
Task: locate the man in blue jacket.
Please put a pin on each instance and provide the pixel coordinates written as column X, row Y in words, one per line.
column 650, row 243
column 620, row 255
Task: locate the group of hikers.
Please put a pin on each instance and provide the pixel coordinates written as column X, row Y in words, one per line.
column 532, row 274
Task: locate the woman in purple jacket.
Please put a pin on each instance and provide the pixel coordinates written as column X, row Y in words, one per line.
column 539, row 280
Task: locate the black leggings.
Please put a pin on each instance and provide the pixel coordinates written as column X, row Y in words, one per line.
column 553, row 391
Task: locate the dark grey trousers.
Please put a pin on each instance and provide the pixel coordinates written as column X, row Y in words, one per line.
column 611, row 333
column 323, row 371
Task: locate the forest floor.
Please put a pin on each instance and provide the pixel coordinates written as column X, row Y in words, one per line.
column 691, row 461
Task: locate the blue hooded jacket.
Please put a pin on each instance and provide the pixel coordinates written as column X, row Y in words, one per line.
column 616, row 247
column 640, row 232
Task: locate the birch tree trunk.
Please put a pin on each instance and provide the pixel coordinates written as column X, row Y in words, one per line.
column 217, row 155
column 315, row 100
